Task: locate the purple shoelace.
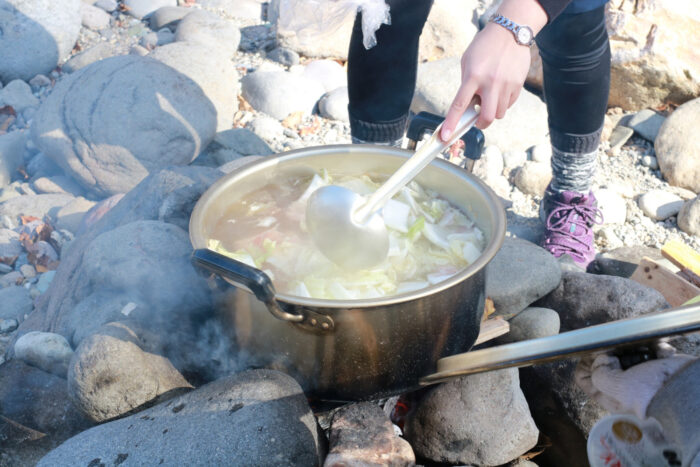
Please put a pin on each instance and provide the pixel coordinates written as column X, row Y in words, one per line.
column 568, row 229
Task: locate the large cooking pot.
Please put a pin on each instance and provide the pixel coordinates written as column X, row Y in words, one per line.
column 351, row 349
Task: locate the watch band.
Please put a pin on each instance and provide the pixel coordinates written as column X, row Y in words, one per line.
column 523, row 34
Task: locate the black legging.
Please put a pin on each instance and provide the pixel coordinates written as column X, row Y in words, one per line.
column 575, row 55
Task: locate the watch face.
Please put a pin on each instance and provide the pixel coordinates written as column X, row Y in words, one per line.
column 524, row 35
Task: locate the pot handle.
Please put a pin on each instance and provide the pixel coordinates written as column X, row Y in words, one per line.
column 602, row 337
column 246, row 277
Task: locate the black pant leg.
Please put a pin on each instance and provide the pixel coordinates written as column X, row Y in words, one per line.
column 381, row 80
column 576, row 60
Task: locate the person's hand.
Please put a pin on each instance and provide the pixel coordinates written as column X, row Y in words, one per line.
column 494, row 67
column 626, row 391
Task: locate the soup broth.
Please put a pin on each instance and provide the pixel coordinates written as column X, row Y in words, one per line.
column 430, row 240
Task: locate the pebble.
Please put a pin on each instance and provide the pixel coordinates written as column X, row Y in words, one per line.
column 141, row 8
column 39, row 81
column 612, row 206
column 514, row 159
column 533, row 177
column 283, row 55
column 541, row 153
column 689, row 217
column 646, row 123
column 660, row 204
column 94, row 54
column 490, row 164
column 11, row 278
column 93, row 17
column 107, row 5
column 18, row 95
column 650, row 161
column 266, row 128
column 46, row 350
column 168, row 17
column 279, row 93
column 4, row 268
column 8, row 325
column 45, row 281
column 619, row 136
column 138, row 50
column 207, row 29
column 329, row 73
column 532, row 323
column 334, row 105
column 28, row 271
column 165, row 36
column 149, row 41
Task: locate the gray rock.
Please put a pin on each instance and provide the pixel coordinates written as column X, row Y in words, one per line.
column 34, row 205
column 647, row 124
column 37, row 34
column 138, row 51
column 480, row 419
column 107, row 5
column 16, row 302
column 45, row 281
column 278, row 93
column 256, row 417
column 243, row 9
column 112, row 141
column 8, row 325
column 168, row 17
column 283, row 55
column 611, row 205
column 362, row 434
column 164, row 37
column 93, row 17
column 38, row 400
column 18, row 95
column 28, row 271
column 57, row 184
column 141, row 8
column 334, row 105
column 266, row 128
column 46, row 350
column 4, row 268
column 584, row 300
column 42, row 165
column 623, row 261
column 619, row 136
column 678, row 147
column 232, row 144
column 96, row 213
column 519, row 274
column 70, row 215
column 213, row 72
column 10, row 279
column 39, row 81
column 650, row 161
column 329, row 73
column 11, row 155
column 149, row 41
column 514, row 159
column 532, row 323
column 660, row 204
column 689, row 217
column 98, row 52
column 490, row 165
column 209, row 30
column 533, row 177
column 541, row 153
column 111, row 374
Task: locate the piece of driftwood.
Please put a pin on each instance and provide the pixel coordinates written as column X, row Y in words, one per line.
column 673, row 287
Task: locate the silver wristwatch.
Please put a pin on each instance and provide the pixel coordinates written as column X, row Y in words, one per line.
column 523, row 34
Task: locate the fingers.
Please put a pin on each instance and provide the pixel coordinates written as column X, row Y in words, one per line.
column 457, row 108
column 489, row 106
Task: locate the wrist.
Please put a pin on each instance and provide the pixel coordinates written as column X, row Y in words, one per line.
column 524, row 12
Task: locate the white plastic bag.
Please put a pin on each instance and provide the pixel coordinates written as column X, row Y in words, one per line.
column 311, row 20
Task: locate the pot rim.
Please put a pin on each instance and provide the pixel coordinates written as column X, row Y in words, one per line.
column 269, row 162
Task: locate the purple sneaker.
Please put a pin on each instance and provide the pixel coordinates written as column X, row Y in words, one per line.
column 569, row 223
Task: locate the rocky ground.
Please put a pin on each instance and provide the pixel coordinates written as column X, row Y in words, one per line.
column 103, row 153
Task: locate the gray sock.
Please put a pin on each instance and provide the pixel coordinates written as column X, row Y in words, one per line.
column 573, row 171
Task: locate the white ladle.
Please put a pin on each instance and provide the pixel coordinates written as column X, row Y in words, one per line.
column 348, row 228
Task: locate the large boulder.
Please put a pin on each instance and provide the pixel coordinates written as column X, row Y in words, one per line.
column 525, row 123
column 677, row 146
column 447, row 32
column 111, row 123
column 253, row 418
column 36, row 36
column 480, row 419
column 211, row 69
column 111, row 374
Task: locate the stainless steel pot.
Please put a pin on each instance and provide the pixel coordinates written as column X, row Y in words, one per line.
column 362, row 349
column 349, row 350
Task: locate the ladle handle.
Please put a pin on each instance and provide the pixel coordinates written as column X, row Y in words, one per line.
column 417, row 162
column 569, row 344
